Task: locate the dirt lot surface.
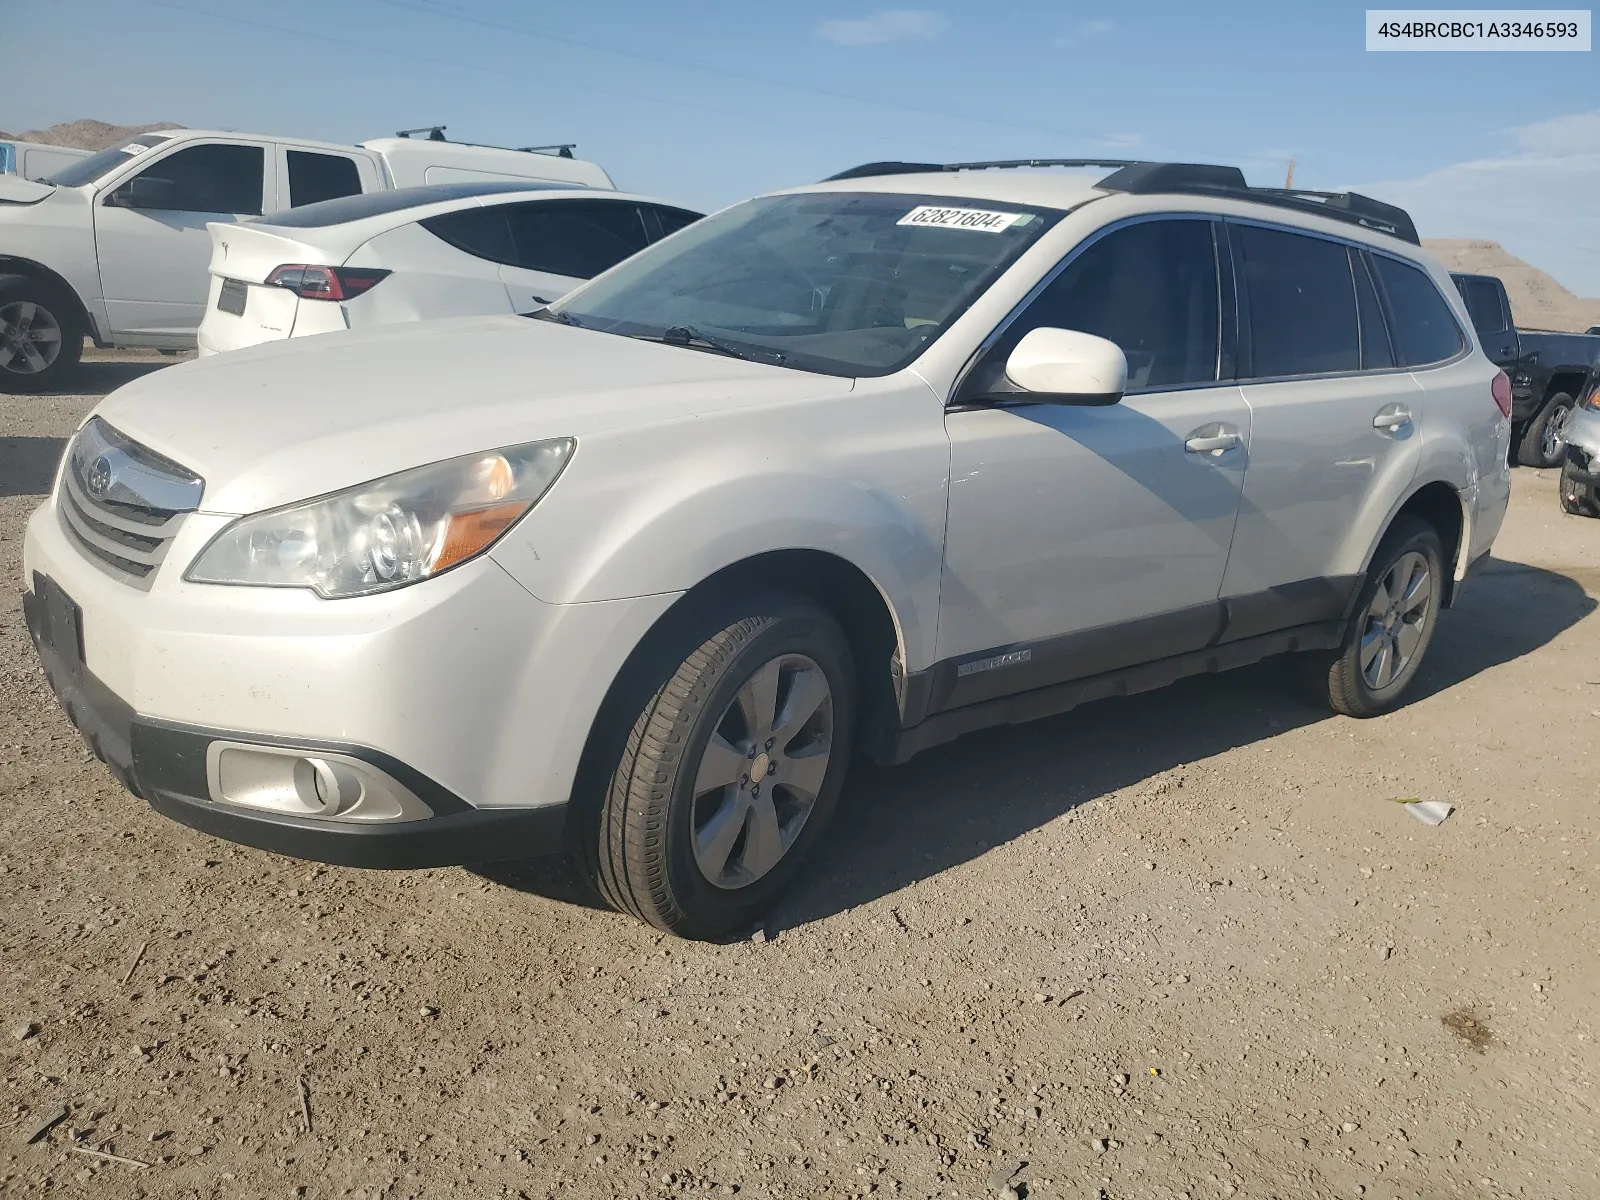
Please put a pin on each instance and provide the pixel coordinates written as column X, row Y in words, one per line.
column 1183, row 944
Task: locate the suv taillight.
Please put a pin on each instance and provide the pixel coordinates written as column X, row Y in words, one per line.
column 325, row 283
column 1501, row 387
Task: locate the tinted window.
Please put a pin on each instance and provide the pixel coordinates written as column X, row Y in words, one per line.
column 1425, row 330
column 213, row 179
column 847, row 283
column 1483, row 304
column 1376, row 352
column 1302, row 304
column 1151, row 288
column 377, row 204
column 317, row 177
column 576, row 238
column 670, row 220
column 479, row 231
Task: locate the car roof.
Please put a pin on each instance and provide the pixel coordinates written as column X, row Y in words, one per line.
column 1044, row 189
column 403, row 205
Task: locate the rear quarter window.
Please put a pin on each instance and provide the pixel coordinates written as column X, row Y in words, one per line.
column 481, row 232
column 1424, row 328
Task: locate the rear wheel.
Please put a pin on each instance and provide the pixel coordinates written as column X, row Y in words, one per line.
column 729, row 772
column 1395, row 615
column 40, row 337
column 1577, row 497
column 1544, row 441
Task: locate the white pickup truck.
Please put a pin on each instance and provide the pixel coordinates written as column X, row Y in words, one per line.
column 114, row 247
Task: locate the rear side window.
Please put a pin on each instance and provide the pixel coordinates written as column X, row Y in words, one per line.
column 213, row 179
column 575, row 238
column 317, row 177
column 1376, row 352
column 1302, row 304
column 668, row 220
column 479, row 231
column 1151, row 288
column 1483, row 305
column 1424, row 328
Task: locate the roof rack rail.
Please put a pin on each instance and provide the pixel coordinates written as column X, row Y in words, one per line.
column 436, row 134
column 559, row 149
column 1203, row 179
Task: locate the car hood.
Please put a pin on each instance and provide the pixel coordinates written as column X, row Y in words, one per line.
column 14, row 189
column 298, row 418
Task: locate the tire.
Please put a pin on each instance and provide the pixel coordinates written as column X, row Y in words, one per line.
column 651, row 841
column 1355, row 682
column 1577, row 497
column 1542, row 444
column 41, row 336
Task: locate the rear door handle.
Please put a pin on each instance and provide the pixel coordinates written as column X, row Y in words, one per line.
column 1392, row 418
column 1215, row 443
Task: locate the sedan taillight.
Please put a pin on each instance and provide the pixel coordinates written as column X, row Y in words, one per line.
column 325, row 283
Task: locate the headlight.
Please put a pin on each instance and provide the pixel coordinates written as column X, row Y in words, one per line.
column 389, row 532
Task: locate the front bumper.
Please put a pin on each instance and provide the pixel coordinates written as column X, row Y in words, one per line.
column 1582, row 435
column 165, row 765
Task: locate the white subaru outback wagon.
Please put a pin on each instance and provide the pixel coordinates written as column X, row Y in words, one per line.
column 850, row 468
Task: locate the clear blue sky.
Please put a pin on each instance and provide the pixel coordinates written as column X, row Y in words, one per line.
column 708, row 102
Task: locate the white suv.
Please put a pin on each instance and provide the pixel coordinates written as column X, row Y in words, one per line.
column 851, row 468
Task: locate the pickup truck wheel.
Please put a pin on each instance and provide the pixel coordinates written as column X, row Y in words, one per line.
column 729, row 771
column 40, row 339
column 1577, row 497
column 1544, row 442
column 1395, row 615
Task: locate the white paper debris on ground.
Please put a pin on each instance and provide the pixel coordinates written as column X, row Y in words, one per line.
column 1430, row 812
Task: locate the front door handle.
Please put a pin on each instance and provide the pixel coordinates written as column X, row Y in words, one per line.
column 1214, row 443
column 1392, row 419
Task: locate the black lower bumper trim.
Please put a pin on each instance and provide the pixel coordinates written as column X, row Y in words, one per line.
column 482, row 835
column 165, row 765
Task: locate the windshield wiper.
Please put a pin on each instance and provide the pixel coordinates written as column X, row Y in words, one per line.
column 688, row 335
column 546, row 314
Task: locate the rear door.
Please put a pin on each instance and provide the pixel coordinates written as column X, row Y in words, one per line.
column 1333, row 421
column 151, row 234
column 1084, row 540
column 560, row 243
column 307, row 176
column 1491, row 318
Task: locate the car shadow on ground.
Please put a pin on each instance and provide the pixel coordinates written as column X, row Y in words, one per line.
column 28, row 464
column 898, row 825
column 96, row 378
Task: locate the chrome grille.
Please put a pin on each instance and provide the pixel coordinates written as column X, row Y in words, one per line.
column 122, row 502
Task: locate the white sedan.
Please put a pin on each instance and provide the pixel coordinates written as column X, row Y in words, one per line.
column 457, row 249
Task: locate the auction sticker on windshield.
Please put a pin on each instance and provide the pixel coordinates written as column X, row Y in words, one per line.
column 980, row 220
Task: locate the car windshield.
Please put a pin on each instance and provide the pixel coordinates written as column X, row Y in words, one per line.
column 96, row 166
column 844, row 283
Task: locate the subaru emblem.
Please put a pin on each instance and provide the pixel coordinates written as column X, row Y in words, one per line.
column 99, row 480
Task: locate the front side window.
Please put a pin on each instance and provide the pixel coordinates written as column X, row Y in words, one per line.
column 316, row 177
column 1151, row 288
column 575, row 238
column 1301, row 299
column 844, row 283
column 216, row 178
column 669, row 220
column 1425, row 330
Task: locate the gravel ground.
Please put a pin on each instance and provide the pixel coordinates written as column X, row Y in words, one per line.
column 1182, row 944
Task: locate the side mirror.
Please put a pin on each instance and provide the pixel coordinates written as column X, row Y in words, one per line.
column 1064, row 366
column 146, row 191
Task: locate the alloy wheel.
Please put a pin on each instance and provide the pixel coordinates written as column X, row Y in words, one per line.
column 760, row 774
column 1396, row 620
column 30, row 338
column 1554, row 439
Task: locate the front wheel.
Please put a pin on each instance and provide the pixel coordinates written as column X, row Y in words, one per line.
column 729, row 772
column 1395, row 615
column 1544, row 441
column 1577, row 497
column 40, row 339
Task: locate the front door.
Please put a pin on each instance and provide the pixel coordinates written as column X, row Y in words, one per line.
column 1084, row 540
column 152, row 242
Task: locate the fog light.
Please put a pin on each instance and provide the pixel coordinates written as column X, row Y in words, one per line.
column 282, row 779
